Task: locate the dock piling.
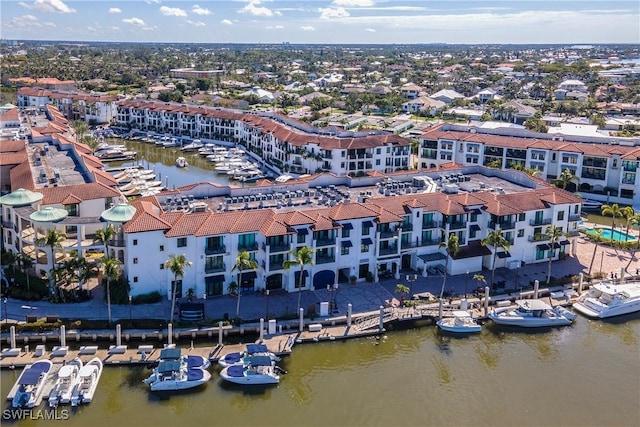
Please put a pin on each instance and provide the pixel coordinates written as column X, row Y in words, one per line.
column 301, row 326
column 219, row 333
column 169, row 333
column 349, row 314
column 486, row 300
column 12, row 336
column 536, row 286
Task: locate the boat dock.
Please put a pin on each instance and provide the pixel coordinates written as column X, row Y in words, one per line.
column 46, row 387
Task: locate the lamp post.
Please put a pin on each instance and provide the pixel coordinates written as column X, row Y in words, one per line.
column 466, row 282
column 266, row 298
column 6, row 317
column 204, row 304
column 335, row 303
column 130, row 314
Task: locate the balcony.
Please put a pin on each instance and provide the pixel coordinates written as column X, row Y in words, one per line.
column 540, row 221
column 331, row 241
column 248, row 247
column 538, row 238
column 117, row 243
column 457, row 225
column 325, row 259
column 505, row 225
column 430, row 224
column 7, row 224
column 629, row 181
column 388, row 234
column 215, row 268
column 214, row 250
column 389, row 250
column 419, row 244
column 406, row 227
column 278, row 247
column 574, row 217
column 273, row 266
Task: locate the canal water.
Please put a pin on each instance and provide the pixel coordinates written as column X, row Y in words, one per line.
column 587, row 374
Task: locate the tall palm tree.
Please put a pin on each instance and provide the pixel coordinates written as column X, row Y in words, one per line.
column 553, row 233
column 596, row 239
column 104, row 236
column 112, row 269
column 565, row 178
column 52, row 239
column 629, row 214
column 611, row 210
column 633, row 220
column 243, row 262
column 176, row 264
column 25, row 263
column 452, row 247
column 301, row 257
column 497, row 240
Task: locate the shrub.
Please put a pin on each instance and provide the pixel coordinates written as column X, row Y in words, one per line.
column 149, row 298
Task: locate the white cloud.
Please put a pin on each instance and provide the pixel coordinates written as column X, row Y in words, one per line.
column 196, row 23
column 172, row 11
column 114, row 28
column 115, row 10
column 153, row 1
column 226, row 22
column 252, row 8
column 274, row 27
column 307, row 28
column 25, row 5
column 370, row 30
column 49, row 25
column 352, row 3
column 136, row 22
column 53, row 6
column 198, row 10
column 331, row 13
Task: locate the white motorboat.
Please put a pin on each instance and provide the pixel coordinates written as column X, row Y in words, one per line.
column 31, row 384
column 195, row 145
column 590, row 204
column 177, row 372
column 532, row 314
column 89, row 376
column 259, row 370
column 606, row 299
column 68, row 378
column 181, row 162
column 253, row 176
column 284, row 178
column 245, row 357
column 461, row 321
column 172, row 142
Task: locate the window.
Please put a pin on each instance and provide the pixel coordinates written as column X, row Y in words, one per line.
column 521, row 233
column 364, row 248
column 135, row 260
column 521, row 216
column 539, row 254
column 135, row 279
column 344, row 251
column 301, row 238
column 575, row 209
column 560, row 215
column 135, row 242
column 72, row 210
column 346, row 233
column 182, row 242
column 162, row 266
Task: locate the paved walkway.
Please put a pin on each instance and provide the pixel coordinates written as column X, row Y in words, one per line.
column 363, row 296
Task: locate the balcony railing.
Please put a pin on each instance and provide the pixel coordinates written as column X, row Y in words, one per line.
column 7, row 224
column 419, row 244
column 505, row 225
column 278, row 247
column 277, row 265
column 388, row 234
column 215, row 268
column 457, row 225
column 406, row 227
column 248, row 246
column 325, row 259
column 574, row 217
column 540, row 221
column 117, row 243
column 538, row 238
column 213, row 250
column 628, row 181
column 388, row 250
column 325, row 242
column 430, row 224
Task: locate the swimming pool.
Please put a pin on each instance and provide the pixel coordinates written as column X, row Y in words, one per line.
column 618, row 236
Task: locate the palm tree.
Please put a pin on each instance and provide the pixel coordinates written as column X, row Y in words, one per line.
column 553, row 233
column 565, row 178
column 629, row 214
column 243, row 262
column 452, row 246
column 104, row 236
column 633, row 220
column 596, row 239
column 112, row 269
column 176, row 264
column 497, row 240
column 52, row 239
column 302, row 257
column 480, row 279
column 612, row 210
column 25, row 263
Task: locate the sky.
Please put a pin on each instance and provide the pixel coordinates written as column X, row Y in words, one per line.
column 324, row 21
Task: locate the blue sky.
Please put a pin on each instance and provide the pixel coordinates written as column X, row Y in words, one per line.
column 320, row 21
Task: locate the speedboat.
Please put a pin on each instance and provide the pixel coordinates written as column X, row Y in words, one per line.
column 31, row 384
column 181, row 162
column 89, row 376
column 193, row 146
column 460, row 322
column 177, row 372
column 245, row 357
column 604, row 300
column 68, row 378
column 284, row 178
column 259, row 370
column 590, row 204
column 532, row 314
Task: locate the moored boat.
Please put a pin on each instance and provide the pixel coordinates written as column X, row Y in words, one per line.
column 89, row 376
column 532, row 314
column 68, row 378
column 243, row 358
column 31, row 384
column 178, row 372
column 259, row 370
column 603, row 300
column 461, row 321
column 181, row 162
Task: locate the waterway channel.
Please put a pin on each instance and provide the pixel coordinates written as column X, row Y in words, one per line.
column 587, row 374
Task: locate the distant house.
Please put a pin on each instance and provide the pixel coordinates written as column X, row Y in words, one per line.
column 487, row 95
column 573, row 85
column 447, row 96
column 411, row 90
column 515, row 112
column 263, row 95
column 329, row 80
column 424, row 104
column 306, row 99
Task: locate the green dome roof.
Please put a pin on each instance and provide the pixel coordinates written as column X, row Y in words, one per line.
column 21, row 197
column 119, row 213
column 49, row 214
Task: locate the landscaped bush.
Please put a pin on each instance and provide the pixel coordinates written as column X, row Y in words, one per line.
column 149, row 298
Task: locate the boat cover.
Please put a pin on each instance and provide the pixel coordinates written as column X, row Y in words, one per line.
column 32, row 375
column 235, row 371
column 194, row 361
column 195, row 374
column 260, row 361
column 256, row 348
column 170, row 353
column 232, row 358
column 167, row 366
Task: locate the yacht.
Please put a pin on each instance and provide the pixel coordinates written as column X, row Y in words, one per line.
column 195, row 145
column 68, row 378
column 284, row 178
column 89, row 376
column 532, row 313
column 461, row 321
column 258, row 370
column 31, row 383
column 181, row 162
column 606, row 299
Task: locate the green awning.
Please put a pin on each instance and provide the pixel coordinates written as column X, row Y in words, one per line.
column 49, row 214
column 120, row 213
column 20, row 197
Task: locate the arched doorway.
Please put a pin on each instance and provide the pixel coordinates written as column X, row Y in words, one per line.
column 274, row 281
column 323, row 278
